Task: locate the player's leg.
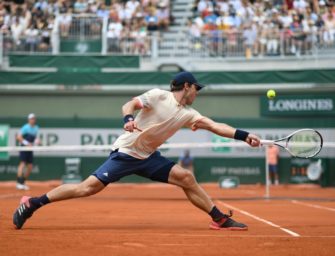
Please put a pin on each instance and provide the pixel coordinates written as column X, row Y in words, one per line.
column 198, row 197
column 20, row 177
column 28, row 205
column 28, row 171
column 28, row 158
column 111, row 170
column 275, row 174
column 29, row 168
column 88, row 187
column 194, row 192
column 276, row 178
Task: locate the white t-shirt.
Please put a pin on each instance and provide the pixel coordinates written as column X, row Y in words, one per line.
column 160, row 118
column 132, row 5
column 114, row 30
column 299, row 5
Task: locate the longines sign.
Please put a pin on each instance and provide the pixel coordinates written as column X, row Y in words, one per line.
column 299, row 106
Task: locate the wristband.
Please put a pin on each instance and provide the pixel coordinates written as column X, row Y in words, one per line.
column 25, row 142
column 241, row 135
column 128, row 118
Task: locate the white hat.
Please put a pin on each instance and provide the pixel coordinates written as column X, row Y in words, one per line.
column 322, row 2
column 31, row 116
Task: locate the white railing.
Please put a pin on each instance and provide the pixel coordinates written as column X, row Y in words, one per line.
column 215, row 44
column 25, row 44
column 1, row 49
column 80, row 27
column 235, row 44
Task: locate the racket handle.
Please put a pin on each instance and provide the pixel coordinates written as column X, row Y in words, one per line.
column 267, row 142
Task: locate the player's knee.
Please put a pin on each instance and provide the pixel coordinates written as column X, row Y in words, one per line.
column 87, row 190
column 188, row 179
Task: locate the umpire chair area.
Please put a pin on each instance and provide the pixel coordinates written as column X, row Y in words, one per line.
column 72, row 171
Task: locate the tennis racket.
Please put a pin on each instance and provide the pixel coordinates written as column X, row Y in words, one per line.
column 304, row 143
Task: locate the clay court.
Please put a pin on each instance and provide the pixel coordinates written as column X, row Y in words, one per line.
column 156, row 219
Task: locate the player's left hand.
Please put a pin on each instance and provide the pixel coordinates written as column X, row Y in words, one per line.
column 253, row 140
column 131, row 126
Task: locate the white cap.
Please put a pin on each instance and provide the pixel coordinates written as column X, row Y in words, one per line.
column 31, row 116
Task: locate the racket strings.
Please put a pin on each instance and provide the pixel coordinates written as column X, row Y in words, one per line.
column 305, row 143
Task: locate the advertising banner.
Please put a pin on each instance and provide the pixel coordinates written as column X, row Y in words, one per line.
column 307, row 105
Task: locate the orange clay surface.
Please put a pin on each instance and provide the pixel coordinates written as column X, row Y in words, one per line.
column 157, row 219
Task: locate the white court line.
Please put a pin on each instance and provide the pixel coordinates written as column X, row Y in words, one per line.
column 223, row 234
column 313, row 205
column 260, row 219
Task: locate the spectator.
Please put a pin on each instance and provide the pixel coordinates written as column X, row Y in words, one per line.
column 102, row 11
column 300, row 5
column 263, row 36
column 80, row 6
column 42, row 5
column 273, row 37
column 194, row 30
column 124, row 13
column 140, row 35
column 114, row 35
column 163, row 16
column 298, row 35
column 223, row 6
column 329, row 32
column 93, row 6
column 32, row 39
column 311, row 35
column 65, row 20
column 211, row 16
column 46, row 35
column 152, row 20
column 17, row 29
column 131, row 5
column 203, row 5
column 285, row 19
column 250, row 37
column 225, row 21
column 232, row 37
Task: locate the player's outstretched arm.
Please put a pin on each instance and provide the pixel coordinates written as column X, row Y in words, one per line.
column 225, row 130
column 128, row 111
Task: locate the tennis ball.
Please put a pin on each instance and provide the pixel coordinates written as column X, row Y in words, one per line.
column 271, row 94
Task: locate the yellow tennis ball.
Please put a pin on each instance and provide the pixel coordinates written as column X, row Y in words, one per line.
column 271, row 94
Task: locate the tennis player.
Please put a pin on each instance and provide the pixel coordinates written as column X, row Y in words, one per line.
column 161, row 114
column 26, row 137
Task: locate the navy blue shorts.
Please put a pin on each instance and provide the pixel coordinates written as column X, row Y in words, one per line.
column 119, row 165
column 27, row 157
column 273, row 168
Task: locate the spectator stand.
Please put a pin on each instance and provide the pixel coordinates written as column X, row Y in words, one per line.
column 261, row 28
column 207, row 28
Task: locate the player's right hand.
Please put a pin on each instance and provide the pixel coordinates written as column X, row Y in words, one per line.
column 253, row 140
column 131, row 126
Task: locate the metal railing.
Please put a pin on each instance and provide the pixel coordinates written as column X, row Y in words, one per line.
column 235, row 44
column 1, row 49
column 79, row 26
column 24, row 44
column 137, row 45
column 216, row 44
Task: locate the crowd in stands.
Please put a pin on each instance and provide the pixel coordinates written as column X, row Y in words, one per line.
column 262, row 27
column 31, row 23
column 132, row 22
column 265, row 27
